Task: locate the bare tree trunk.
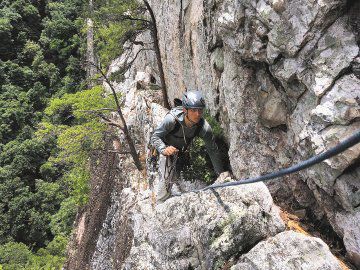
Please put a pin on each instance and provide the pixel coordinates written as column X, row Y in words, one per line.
column 91, row 70
column 124, row 127
column 154, row 34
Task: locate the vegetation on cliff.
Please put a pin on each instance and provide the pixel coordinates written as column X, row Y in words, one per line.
column 40, row 58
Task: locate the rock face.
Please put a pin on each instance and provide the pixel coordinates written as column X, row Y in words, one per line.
column 283, row 79
column 205, row 230
column 289, row 250
column 201, row 231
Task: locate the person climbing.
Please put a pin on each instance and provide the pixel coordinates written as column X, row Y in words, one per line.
column 174, row 135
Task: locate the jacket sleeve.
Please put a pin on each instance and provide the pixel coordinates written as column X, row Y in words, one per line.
column 207, row 134
column 158, row 136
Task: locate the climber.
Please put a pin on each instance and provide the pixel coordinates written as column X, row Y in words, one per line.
column 173, row 136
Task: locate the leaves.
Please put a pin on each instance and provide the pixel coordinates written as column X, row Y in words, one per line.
column 39, row 57
column 73, row 119
column 200, row 166
column 115, row 23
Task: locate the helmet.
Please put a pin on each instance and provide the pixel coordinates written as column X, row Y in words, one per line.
column 193, row 99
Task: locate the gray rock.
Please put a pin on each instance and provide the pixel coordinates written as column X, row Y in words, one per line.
column 201, row 230
column 325, row 174
column 320, row 62
column 289, row 250
column 293, row 24
column 340, row 105
column 348, row 224
column 347, row 188
column 335, row 51
column 274, row 112
column 243, row 55
column 261, row 65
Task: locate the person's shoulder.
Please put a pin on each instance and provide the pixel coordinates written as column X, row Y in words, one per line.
column 176, row 110
column 173, row 116
column 176, row 113
column 169, row 117
column 205, row 127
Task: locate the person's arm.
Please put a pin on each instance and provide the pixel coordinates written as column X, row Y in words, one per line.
column 158, row 136
column 211, row 147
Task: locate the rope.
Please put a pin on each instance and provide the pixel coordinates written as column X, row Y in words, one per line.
column 341, row 147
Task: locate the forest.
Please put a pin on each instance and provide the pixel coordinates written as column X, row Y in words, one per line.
column 46, row 132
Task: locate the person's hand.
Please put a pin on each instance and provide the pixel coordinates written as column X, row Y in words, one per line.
column 224, row 177
column 170, row 150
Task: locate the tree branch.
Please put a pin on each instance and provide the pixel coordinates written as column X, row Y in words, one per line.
column 111, row 122
column 154, row 33
column 127, row 17
column 96, row 110
column 124, row 128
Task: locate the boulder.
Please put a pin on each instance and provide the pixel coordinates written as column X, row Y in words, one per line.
column 291, row 251
column 201, row 230
column 347, row 224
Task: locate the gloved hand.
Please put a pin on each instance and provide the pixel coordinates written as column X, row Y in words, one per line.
column 224, row 177
column 170, row 150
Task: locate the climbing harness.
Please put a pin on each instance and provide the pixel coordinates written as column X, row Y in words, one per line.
column 341, row 147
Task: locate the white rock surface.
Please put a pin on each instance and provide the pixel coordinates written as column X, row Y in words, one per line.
column 291, row 251
column 201, row 231
column 282, row 76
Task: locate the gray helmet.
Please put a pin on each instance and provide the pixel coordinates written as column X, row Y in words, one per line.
column 193, row 100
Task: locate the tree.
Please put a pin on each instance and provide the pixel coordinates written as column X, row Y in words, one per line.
column 40, row 56
column 73, row 121
column 122, row 125
column 154, row 34
column 118, row 24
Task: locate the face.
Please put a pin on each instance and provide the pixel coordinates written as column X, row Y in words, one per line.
column 194, row 114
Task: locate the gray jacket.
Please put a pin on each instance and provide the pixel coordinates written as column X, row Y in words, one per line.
column 161, row 137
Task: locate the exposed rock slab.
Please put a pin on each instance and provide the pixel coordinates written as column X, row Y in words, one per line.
column 348, row 224
column 289, row 250
column 282, row 77
column 203, row 230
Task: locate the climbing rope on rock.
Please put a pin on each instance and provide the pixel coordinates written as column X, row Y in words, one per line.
column 341, row 147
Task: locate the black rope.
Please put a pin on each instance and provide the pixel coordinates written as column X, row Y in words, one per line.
column 341, row 147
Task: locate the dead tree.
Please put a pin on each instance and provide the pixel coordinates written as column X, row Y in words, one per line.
column 122, row 125
column 154, row 35
column 90, row 52
column 132, row 35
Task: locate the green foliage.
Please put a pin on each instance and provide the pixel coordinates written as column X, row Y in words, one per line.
column 61, row 222
column 16, row 256
column 215, row 125
column 39, row 57
column 78, row 132
column 200, row 166
column 114, row 28
column 109, row 40
column 57, row 247
column 79, row 106
column 15, row 253
column 27, row 203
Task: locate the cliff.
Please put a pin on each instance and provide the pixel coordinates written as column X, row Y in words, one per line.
column 283, row 79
